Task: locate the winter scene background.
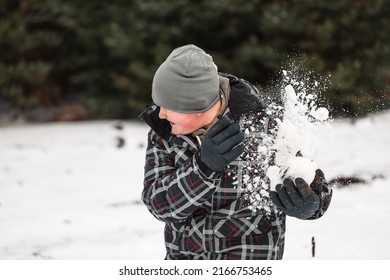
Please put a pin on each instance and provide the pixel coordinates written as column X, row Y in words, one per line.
column 72, row 191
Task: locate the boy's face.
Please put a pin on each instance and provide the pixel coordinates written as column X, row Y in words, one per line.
column 182, row 123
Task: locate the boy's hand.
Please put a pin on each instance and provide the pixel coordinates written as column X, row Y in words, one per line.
column 296, row 199
column 221, row 145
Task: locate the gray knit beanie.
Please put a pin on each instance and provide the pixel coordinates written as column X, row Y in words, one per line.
column 187, row 81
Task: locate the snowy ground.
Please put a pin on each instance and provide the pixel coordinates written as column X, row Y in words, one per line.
column 68, row 192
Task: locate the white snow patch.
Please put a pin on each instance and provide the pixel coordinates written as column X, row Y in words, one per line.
column 66, row 192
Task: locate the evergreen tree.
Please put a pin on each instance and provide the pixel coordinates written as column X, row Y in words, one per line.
column 103, row 54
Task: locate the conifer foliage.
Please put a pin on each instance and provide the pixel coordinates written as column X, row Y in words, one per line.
column 103, row 54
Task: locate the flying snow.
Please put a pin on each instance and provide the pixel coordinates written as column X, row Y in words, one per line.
column 297, row 138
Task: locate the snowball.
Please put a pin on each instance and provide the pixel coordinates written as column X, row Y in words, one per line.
column 299, row 167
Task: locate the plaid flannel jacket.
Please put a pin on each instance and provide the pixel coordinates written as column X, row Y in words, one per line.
column 208, row 215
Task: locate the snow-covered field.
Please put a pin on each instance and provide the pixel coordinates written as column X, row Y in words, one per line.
column 68, row 192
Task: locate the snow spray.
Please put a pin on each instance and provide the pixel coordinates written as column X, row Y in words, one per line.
column 291, row 148
column 300, row 131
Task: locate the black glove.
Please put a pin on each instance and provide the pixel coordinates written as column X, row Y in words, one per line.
column 221, row 145
column 296, row 199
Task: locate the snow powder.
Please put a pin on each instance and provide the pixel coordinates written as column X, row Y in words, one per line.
column 299, row 135
column 287, row 148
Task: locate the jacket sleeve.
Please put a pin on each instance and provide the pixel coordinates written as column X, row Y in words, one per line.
column 322, row 189
column 172, row 193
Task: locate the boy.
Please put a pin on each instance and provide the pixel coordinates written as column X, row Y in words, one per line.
column 202, row 161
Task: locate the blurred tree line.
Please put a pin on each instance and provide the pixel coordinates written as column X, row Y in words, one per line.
column 99, row 57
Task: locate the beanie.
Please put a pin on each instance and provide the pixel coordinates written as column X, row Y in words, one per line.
column 187, row 81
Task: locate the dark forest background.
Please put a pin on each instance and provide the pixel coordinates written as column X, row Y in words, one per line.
column 76, row 60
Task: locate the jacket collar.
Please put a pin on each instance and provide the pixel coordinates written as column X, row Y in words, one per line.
column 150, row 116
column 244, row 98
